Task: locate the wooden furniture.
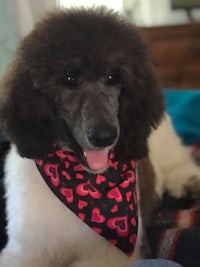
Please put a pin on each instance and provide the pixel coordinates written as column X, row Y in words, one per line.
column 175, row 52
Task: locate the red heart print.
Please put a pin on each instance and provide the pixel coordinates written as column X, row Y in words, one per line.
column 68, row 193
column 129, row 195
column 128, row 178
column 132, row 239
column 133, row 221
column 81, row 216
column 115, row 194
column 100, row 179
column 120, row 224
column 51, row 170
column 82, row 204
column 131, row 207
column 67, row 175
column 78, row 167
column 71, row 158
column 39, row 162
column 111, row 156
column 87, row 188
column 67, row 164
column 113, row 241
column 97, row 230
column 51, row 155
column 133, row 164
column 96, row 216
column 111, row 185
column 79, row 176
column 113, row 164
column 61, row 154
column 114, row 209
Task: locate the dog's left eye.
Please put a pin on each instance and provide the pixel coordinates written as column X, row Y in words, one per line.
column 113, row 78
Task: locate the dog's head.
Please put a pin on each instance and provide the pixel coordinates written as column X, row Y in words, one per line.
column 82, row 79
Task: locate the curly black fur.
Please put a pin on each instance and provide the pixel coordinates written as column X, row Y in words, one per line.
column 96, row 42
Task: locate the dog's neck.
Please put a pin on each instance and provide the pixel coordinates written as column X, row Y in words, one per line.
column 107, row 202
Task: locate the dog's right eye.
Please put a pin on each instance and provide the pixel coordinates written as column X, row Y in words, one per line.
column 71, row 78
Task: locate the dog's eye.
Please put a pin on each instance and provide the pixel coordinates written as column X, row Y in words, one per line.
column 71, row 78
column 113, row 78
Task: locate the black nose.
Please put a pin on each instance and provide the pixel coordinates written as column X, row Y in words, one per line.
column 102, row 135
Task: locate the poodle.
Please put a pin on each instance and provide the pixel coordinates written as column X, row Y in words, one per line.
column 78, row 105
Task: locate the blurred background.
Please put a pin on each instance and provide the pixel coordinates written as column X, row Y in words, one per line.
column 17, row 17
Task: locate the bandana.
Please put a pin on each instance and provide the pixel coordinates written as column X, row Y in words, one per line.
column 106, row 202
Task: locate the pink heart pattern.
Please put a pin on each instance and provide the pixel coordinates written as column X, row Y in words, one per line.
column 115, row 194
column 120, row 224
column 51, row 171
column 68, row 193
column 107, row 202
column 82, row 204
column 97, row 216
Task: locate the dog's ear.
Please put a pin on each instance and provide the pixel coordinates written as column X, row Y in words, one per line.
column 141, row 109
column 26, row 115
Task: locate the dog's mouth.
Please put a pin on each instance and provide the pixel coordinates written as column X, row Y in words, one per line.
column 97, row 160
column 93, row 160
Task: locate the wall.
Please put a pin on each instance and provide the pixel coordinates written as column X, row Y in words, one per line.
column 156, row 12
column 17, row 18
column 8, row 33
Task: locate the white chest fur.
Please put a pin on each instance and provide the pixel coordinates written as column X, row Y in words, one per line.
column 43, row 232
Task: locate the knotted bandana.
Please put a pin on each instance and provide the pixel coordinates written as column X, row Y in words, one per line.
column 106, row 202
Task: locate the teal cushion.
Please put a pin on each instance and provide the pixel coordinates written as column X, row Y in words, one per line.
column 184, row 108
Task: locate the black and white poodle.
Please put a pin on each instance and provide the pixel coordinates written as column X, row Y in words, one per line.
column 78, row 105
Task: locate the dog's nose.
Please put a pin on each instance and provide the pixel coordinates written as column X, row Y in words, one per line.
column 102, row 135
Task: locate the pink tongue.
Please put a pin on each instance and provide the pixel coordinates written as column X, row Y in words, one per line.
column 97, row 160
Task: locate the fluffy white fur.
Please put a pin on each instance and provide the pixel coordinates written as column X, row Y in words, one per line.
column 43, row 232
column 176, row 171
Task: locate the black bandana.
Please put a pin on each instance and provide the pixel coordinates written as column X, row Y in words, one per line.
column 106, row 202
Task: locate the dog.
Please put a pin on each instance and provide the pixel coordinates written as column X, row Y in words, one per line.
column 81, row 83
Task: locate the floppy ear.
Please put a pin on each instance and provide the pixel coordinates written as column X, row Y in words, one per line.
column 26, row 115
column 141, row 109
